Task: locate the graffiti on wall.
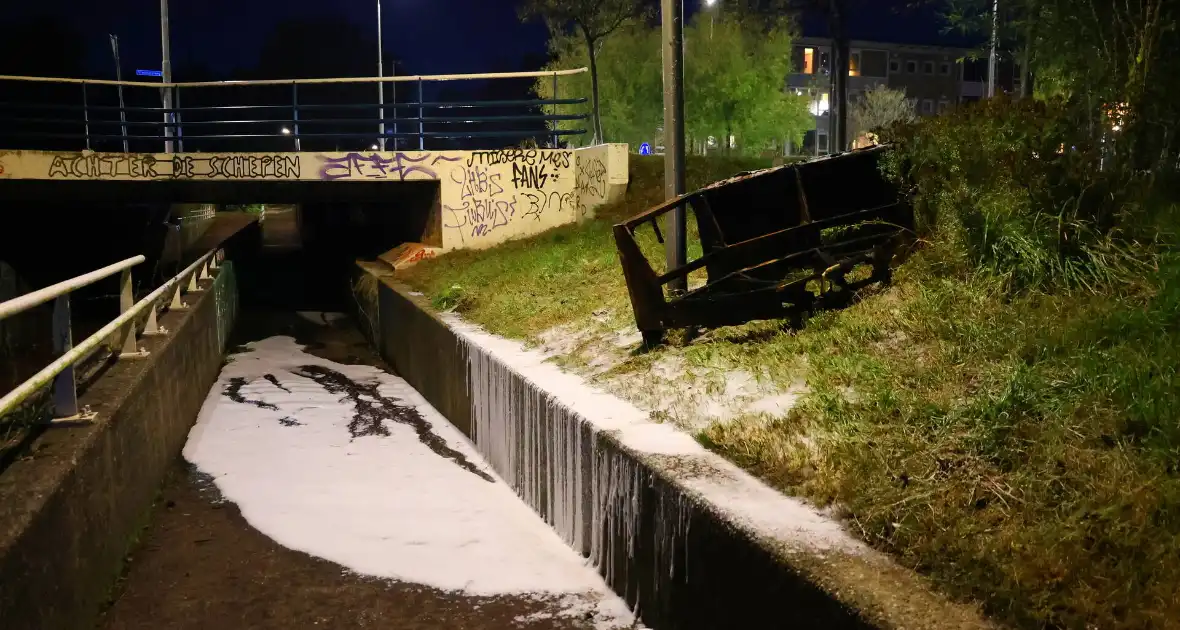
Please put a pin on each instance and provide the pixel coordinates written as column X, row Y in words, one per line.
column 591, row 181
column 523, row 157
column 146, row 166
column 491, row 197
column 398, row 166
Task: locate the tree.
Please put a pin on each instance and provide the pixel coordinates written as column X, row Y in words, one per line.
column 881, row 107
column 594, row 20
column 724, row 92
column 629, row 77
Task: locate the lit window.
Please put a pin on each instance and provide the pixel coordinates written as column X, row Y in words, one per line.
column 854, row 65
column 808, row 61
column 819, row 104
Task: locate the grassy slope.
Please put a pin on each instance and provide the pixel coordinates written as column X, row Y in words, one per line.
column 1022, row 452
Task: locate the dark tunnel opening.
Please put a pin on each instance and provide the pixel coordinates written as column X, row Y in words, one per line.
column 301, row 257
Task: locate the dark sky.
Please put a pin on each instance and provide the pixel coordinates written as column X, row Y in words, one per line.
column 428, row 36
column 431, row 36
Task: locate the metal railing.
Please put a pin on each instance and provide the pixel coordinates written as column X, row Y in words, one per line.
column 136, row 319
column 268, row 115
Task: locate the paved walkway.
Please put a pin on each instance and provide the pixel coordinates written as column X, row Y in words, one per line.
column 426, row 508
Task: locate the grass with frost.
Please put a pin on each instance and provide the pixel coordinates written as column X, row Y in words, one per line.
column 1021, row 451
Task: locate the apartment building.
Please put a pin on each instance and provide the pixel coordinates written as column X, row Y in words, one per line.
column 934, row 78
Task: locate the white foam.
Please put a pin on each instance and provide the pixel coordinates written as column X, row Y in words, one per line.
column 385, row 506
column 543, row 435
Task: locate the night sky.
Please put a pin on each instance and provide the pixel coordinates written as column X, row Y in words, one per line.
column 427, row 36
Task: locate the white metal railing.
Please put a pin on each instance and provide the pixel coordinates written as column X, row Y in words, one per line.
column 393, row 79
column 61, row 371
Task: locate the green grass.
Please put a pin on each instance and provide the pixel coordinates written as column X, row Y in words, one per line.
column 523, row 287
column 1022, row 450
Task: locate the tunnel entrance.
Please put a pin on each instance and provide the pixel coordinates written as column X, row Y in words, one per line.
column 319, row 230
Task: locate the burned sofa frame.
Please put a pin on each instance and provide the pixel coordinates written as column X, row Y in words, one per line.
column 777, row 243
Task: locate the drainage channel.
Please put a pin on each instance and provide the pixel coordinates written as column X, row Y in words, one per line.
column 318, row 490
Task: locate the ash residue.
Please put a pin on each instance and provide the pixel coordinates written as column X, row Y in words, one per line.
column 372, row 410
column 233, row 391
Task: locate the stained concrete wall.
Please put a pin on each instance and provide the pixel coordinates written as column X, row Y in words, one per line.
column 650, row 521
column 69, row 514
column 485, row 197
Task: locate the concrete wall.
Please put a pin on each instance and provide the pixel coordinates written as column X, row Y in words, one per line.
column 687, row 538
column 485, row 197
column 602, row 176
column 69, row 515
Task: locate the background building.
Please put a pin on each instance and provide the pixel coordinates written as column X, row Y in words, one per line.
column 934, row 78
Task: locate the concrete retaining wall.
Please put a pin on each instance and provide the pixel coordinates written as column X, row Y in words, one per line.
column 70, row 511
column 688, row 538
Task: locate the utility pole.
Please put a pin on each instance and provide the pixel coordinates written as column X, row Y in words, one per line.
column 166, row 71
column 119, row 78
column 991, row 58
column 672, row 18
column 380, row 84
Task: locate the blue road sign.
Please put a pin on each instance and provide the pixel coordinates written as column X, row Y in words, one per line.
column 149, row 73
column 645, row 149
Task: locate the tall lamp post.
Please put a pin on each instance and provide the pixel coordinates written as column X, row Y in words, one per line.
column 380, row 84
column 672, row 18
column 166, row 72
column 991, row 57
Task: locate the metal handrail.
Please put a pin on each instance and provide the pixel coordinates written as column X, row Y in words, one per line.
column 54, row 122
column 41, row 296
column 393, row 79
column 65, row 394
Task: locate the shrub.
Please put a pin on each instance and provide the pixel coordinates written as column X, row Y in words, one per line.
column 1016, row 188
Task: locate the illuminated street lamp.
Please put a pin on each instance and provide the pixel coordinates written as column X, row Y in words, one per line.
column 286, row 131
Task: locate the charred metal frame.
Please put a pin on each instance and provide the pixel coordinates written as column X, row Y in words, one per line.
column 776, row 243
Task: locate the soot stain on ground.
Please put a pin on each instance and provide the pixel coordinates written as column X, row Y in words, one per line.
column 233, row 391
column 372, row 409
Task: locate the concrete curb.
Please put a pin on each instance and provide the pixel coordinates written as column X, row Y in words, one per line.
column 70, row 511
column 686, row 537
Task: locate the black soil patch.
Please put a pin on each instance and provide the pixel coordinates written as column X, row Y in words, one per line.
column 372, row 410
column 233, row 391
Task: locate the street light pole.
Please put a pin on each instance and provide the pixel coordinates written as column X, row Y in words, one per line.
column 166, row 72
column 380, row 84
column 991, row 58
column 672, row 18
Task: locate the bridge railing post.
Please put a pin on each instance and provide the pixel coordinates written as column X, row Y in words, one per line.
column 421, row 127
column 86, row 114
column 556, row 137
column 128, row 345
column 295, row 113
column 65, row 390
column 178, row 119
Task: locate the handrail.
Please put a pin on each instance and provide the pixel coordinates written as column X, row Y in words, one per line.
column 41, row 296
column 67, row 360
column 250, row 82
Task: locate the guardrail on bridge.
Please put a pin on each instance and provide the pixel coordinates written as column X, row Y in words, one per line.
column 135, row 319
column 270, row 115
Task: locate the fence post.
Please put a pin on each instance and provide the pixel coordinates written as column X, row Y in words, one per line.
column 178, row 121
column 421, row 127
column 295, row 112
column 86, row 114
column 555, row 114
column 128, row 347
column 65, row 392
